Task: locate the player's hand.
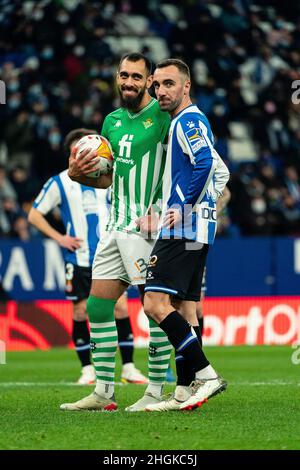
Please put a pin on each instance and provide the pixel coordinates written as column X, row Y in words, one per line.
column 147, row 223
column 71, row 243
column 172, row 217
column 82, row 164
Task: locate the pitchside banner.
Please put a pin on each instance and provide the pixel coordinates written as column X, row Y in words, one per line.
column 228, row 321
column 236, row 267
column 253, row 294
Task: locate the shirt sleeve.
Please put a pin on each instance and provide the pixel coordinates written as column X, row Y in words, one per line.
column 193, row 138
column 105, row 128
column 48, row 198
column 221, row 175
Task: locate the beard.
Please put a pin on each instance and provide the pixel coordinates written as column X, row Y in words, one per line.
column 131, row 102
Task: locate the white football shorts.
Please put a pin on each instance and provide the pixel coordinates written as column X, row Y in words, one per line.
column 123, row 256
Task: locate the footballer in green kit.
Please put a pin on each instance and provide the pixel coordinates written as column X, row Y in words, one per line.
column 137, row 141
column 137, row 133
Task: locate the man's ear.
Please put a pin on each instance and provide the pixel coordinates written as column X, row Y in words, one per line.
column 149, row 81
column 187, row 87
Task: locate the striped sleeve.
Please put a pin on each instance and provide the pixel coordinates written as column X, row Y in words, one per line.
column 195, row 143
column 48, row 198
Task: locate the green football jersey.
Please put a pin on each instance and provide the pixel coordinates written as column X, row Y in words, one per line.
column 137, row 140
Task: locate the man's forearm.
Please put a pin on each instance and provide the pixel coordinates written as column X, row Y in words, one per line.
column 38, row 220
column 102, row 182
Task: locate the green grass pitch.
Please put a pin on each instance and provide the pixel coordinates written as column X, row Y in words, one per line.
column 259, row 410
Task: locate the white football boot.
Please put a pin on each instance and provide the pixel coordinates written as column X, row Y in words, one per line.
column 88, row 375
column 93, row 402
column 203, row 389
column 173, row 401
column 130, row 374
column 142, row 403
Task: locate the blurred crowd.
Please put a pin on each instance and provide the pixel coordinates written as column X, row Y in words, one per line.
column 58, row 61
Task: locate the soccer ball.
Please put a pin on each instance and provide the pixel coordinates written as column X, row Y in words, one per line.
column 104, row 160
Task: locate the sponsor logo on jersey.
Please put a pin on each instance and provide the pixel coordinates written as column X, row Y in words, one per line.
column 125, row 145
column 152, row 350
column 150, row 275
column 190, row 124
column 118, row 123
column 152, row 261
column 92, row 345
column 127, row 161
column 89, row 202
column 208, row 213
column 148, row 123
column 195, row 139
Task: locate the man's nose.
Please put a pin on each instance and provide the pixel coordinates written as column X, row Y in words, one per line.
column 129, row 81
column 160, row 92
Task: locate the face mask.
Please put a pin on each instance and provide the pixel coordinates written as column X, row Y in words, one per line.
column 79, row 51
column 94, row 71
column 219, row 110
column 230, row 41
column 14, row 103
column 32, row 63
column 47, row 53
column 35, row 89
column 258, row 206
column 54, row 138
column 62, row 18
column 69, row 39
column 38, row 15
column 87, row 112
column 13, row 86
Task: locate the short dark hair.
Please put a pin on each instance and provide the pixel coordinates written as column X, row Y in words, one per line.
column 179, row 64
column 135, row 57
column 76, row 134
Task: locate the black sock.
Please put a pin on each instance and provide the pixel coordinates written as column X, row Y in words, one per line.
column 185, row 343
column 81, row 338
column 185, row 375
column 198, row 330
column 125, row 339
column 201, row 326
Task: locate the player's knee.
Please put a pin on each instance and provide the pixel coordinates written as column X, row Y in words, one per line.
column 121, row 312
column 79, row 311
column 199, row 310
column 153, row 307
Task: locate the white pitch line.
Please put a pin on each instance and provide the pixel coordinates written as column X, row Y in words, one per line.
column 72, row 384
column 45, row 384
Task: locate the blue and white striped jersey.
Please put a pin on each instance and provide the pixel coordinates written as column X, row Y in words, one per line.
column 84, row 212
column 195, row 176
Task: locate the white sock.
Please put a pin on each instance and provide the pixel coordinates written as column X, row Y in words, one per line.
column 104, row 390
column 182, row 392
column 207, row 373
column 155, row 390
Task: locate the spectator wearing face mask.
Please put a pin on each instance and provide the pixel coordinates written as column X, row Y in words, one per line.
column 19, row 138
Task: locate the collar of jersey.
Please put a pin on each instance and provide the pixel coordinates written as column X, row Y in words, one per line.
column 182, row 111
column 135, row 115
